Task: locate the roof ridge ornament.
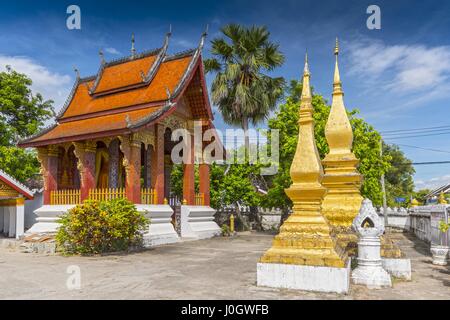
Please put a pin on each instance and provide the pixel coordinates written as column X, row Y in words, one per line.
column 77, row 73
column 102, row 57
column 133, row 49
column 147, row 78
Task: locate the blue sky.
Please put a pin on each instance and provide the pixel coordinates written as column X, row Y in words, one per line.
column 397, row 76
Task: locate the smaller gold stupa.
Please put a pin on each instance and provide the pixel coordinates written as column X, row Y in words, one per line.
column 305, row 237
column 342, row 179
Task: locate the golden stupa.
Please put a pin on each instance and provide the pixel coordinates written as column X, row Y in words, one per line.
column 342, row 179
column 305, row 238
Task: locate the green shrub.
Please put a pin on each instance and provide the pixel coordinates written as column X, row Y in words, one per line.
column 226, row 232
column 97, row 227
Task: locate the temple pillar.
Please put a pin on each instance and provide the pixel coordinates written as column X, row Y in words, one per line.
column 48, row 157
column 114, row 164
column 204, row 184
column 131, row 149
column 189, row 173
column 133, row 173
column 147, row 166
column 85, row 153
column 157, row 165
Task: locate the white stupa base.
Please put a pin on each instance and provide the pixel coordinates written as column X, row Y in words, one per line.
column 398, row 268
column 308, row 278
column 373, row 277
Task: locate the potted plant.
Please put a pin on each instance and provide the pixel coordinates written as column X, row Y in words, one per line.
column 440, row 252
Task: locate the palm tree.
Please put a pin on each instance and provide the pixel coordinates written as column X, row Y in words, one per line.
column 241, row 90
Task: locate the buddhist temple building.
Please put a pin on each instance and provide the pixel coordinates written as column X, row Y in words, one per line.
column 12, row 199
column 112, row 137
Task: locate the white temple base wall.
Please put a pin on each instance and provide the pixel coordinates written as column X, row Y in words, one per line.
column 161, row 230
column 197, row 222
column 398, row 268
column 47, row 219
column 308, row 278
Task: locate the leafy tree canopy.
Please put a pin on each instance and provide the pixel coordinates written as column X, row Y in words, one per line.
column 21, row 114
column 242, row 89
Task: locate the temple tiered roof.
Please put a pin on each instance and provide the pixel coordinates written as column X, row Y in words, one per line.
column 129, row 93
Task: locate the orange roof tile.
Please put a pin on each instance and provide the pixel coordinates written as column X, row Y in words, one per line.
column 169, row 75
column 124, row 74
column 96, row 125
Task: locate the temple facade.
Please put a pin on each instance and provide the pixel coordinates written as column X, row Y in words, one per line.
column 112, row 137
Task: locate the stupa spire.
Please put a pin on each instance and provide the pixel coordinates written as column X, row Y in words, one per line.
column 337, row 85
column 338, row 130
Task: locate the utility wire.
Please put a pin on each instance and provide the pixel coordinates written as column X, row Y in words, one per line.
column 416, row 136
column 417, row 129
column 416, row 147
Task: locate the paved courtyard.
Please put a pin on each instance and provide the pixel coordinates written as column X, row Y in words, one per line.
column 220, row 268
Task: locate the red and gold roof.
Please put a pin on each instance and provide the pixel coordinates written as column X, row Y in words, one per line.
column 128, row 94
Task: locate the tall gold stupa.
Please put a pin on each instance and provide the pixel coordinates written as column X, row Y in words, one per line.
column 305, row 237
column 342, row 179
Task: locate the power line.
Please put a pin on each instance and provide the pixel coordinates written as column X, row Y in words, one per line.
column 421, row 163
column 416, row 147
column 417, row 129
column 416, row 136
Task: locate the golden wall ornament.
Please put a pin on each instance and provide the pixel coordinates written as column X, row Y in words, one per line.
column 342, row 179
column 7, row 192
column 305, row 237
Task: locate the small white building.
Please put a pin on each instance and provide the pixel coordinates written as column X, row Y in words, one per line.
column 12, row 206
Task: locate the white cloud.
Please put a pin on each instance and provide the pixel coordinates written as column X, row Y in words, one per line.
column 402, row 69
column 432, row 183
column 50, row 84
column 113, row 51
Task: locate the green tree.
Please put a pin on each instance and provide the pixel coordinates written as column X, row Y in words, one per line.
column 420, row 195
column 21, row 114
column 399, row 176
column 241, row 89
column 366, row 146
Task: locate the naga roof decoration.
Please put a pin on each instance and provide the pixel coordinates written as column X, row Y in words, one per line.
column 127, row 94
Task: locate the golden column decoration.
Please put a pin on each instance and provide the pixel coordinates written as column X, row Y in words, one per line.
column 305, row 237
column 342, row 179
column 441, row 199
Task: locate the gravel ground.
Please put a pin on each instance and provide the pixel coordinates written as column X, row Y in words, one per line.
column 220, row 268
